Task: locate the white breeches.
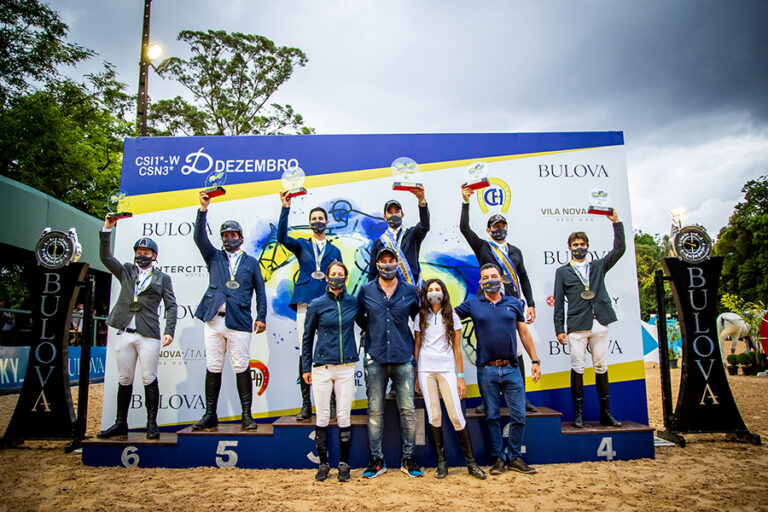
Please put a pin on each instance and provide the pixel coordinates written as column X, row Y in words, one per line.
column 218, row 338
column 326, row 379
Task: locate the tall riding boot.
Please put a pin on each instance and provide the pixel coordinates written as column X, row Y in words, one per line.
column 152, row 399
column 306, row 404
column 529, row 407
column 466, row 446
column 321, row 441
column 606, row 418
column 120, row 428
column 212, row 388
column 577, row 393
column 245, row 391
column 437, row 440
column 345, row 444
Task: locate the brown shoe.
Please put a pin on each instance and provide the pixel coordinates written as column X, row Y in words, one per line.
column 520, row 466
column 498, row 467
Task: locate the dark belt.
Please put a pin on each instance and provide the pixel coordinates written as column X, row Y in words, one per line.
column 498, row 362
column 221, row 314
column 128, row 330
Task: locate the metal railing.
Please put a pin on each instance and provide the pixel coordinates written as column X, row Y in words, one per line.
column 18, row 334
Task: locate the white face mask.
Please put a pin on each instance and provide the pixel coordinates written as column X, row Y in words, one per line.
column 435, row 297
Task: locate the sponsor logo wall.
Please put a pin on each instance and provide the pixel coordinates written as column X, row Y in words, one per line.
column 540, row 182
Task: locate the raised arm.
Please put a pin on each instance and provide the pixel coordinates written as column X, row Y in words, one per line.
column 105, row 251
column 282, row 233
column 421, row 229
column 619, row 244
column 204, row 245
column 474, row 241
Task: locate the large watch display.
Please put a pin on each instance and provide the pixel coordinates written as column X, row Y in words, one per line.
column 56, row 249
column 692, row 244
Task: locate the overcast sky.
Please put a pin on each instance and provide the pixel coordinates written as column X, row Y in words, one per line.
column 687, row 81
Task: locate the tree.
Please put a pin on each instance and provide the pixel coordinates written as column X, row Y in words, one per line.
column 231, row 78
column 67, row 139
column 744, row 244
column 32, row 47
column 648, row 253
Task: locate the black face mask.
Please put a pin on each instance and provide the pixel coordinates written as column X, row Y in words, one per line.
column 491, row 286
column 143, row 261
column 388, row 272
column 336, row 283
column 232, row 244
column 579, row 253
column 395, row 221
column 499, row 234
column 318, row 227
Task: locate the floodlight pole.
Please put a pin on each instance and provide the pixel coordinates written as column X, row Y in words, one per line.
column 141, row 107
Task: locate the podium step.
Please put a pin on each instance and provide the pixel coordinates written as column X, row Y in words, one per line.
column 133, row 438
column 228, row 429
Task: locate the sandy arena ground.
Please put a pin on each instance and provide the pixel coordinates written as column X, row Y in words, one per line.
column 709, row 474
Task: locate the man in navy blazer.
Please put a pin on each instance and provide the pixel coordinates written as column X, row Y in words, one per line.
column 405, row 242
column 582, row 284
column 314, row 255
column 226, row 311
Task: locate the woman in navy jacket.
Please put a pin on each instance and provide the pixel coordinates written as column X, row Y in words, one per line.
column 331, row 365
column 313, row 254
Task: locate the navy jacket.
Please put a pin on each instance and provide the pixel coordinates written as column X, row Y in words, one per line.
column 306, row 288
column 411, row 245
column 238, row 301
column 333, row 319
column 388, row 337
column 495, row 327
column 568, row 287
column 484, row 254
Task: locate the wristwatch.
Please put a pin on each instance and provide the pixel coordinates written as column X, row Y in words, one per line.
column 536, row 361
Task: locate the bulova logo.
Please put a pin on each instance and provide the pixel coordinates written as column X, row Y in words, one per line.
column 572, row 171
column 201, row 162
column 563, row 257
column 162, row 229
column 556, row 349
column 174, row 401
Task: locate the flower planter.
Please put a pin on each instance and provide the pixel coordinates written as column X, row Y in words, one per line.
column 749, row 370
column 733, row 370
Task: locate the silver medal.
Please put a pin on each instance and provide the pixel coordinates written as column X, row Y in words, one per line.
column 587, row 295
column 318, row 275
column 233, row 285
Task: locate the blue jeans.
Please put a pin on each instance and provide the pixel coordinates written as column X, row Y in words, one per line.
column 376, row 377
column 495, row 381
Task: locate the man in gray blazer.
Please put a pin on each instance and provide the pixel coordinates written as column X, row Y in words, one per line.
column 582, row 284
column 135, row 316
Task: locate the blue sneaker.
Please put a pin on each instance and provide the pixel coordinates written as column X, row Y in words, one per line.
column 375, row 468
column 410, row 467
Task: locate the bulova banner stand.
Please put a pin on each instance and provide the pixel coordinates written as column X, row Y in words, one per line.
column 705, row 403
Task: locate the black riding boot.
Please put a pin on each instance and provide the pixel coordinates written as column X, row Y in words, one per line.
column 529, row 407
column 437, row 440
column 469, row 456
column 152, row 399
column 345, row 444
column 306, row 404
column 333, row 405
column 212, row 388
column 606, row 418
column 120, row 428
column 577, row 393
column 321, row 441
column 245, row 391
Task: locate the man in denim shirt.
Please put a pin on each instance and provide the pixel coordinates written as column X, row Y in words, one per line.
column 385, row 305
column 497, row 319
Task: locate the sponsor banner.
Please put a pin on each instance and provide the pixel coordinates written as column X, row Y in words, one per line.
column 537, row 180
column 13, row 366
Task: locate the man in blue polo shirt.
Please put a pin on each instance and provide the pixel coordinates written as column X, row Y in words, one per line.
column 496, row 317
column 313, row 255
column 385, row 305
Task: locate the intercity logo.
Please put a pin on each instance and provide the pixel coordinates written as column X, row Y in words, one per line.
column 572, row 171
column 201, row 162
column 498, row 195
column 259, row 376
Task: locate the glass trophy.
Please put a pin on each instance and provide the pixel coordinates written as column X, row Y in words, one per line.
column 404, row 170
column 118, row 204
column 477, row 176
column 293, row 182
column 214, row 184
column 598, row 203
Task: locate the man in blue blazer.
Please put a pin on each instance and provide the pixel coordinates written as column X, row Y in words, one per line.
column 314, row 255
column 582, row 284
column 226, row 311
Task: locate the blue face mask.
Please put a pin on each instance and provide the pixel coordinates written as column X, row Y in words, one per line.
column 395, row 221
column 336, row 283
column 499, row 234
column 579, row 253
column 232, row 244
column 318, row 227
column 491, row 286
column 387, row 272
column 143, row 261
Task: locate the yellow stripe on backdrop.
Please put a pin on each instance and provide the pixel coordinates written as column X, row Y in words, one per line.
column 148, row 203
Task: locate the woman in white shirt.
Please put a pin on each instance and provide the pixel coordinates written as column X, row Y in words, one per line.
column 439, row 370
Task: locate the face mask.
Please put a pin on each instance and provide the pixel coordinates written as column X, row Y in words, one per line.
column 435, row 297
column 143, row 261
column 499, row 234
column 491, row 286
column 579, row 254
column 232, row 244
column 388, row 272
column 318, row 227
column 336, row 283
column 395, row 221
